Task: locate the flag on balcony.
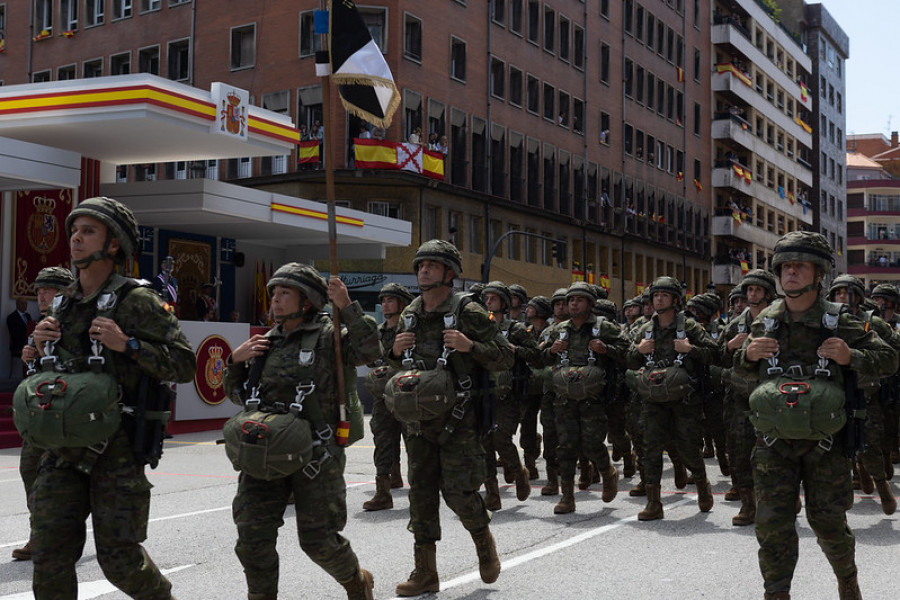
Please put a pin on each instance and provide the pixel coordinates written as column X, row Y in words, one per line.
column 781, row 192
column 679, row 73
column 804, row 92
column 790, row 196
column 380, row 154
column 697, row 185
column 744, row 267
column 680, row 176
column 639, row 287
column 308, row 152
column 737, row 217
column 748, row 177
column 358, row 67
column 737, row 169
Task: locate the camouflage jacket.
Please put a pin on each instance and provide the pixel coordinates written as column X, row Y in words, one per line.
column 703, row 351
column 491, row 351
column 282, row 371
column 521, row 337
column 386, row 335
column 799, row 341
column 738, row 324
column 165, row 353
column 579, row 338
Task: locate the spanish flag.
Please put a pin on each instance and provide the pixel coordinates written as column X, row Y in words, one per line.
column 679, row 73
column 308, row 152
column 737, row 169
column 745, row 267
column 380, row 154
column 697, row 185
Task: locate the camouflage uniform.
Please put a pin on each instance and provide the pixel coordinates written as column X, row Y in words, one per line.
column 742, row 437
column 891, row 386
column 116, row 492
column 781, row 465
column 320, row 501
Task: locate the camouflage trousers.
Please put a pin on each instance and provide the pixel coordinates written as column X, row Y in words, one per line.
column 891, row 426
column 116, row 495
column 872, row 458
column 321, row 509
column 778, row 472
column 386, row 431
column 29, row 463
column 615, row 417
column 713, row 416
column 529, row 406
column 741, row 440
column 548, row 427
column 500, row 440
column 454, row 469
column 582, row 427
column 634, row 425
column 676, row 424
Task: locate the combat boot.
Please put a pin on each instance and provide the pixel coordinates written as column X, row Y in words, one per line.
column 680, row 472
column 747, row 514
column 396, row 476
column 708, row 449
column 732, row 494
column 629, row 464
column 531, row 465
column 566, row 504
column 610, row 483
column 491, row 494
column 638, row 490
column 888, row 502
column 254, row 596
column 848, row 588
column 23, row 553
column 424, row 577
column 523, row 484
column 361, row 586
column 777, row 596
column 509, row 475
column 704, row 493
column 552, row 487
column 654, row 508
column 488, row 561
column 382, row 499
column 724, row 464
column 866, row 484
column 585, row 473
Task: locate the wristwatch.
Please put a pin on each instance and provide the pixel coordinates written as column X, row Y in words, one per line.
column 132, row 348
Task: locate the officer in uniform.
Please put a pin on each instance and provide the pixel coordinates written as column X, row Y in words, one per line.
column 758, row 289
column 509, row 387
column 166, row 284
column 105, row 480
column 801, row 345
column 297, row 295
column 887, row 296
column 386, row 430
column 849, row 290
column 445, row 454
column 669, row 347
column 47, row 284
column 582, row 342
column 548, row 411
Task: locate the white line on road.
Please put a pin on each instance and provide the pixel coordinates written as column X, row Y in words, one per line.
column 90, row 589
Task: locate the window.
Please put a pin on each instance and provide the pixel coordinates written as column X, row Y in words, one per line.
column 437, row 119
column 639, row 84
column 534, row 21
column 309, row 42
column 475, row 234
column 604, row 9
column 179, row 64
column 639, row 23
column 121, row 9
column 412, row 37
column 696, row 118
column 498, row 78
column 651, row 90
column 549, row 29
column 385, row 209
column 628, row 77
column 41, row 77
column 549, row 177
column 533, row 172
column 278, row 102
column 457, row 59
column 628, row 141
column 120, row 64
column 515, row 16
column 148, row 60
column 515, row 86
column 498, row 166
column 651, row 28
column 147, row 5
column 533, row 98
column 578, row 116
column 498, row 11
column 628, row 17
column 374, row 18
column 549, row 93
column 43, row 15
column 563, row 117
column 243, row 47
column 309, row 105
column 604, row 128
column 564, row 28
column 68, row 15
column 94, row 12
column 604, row 63
column 516, row 172
column 696, row 64
column 578, row 47
column 412, row 111
column 65, row 73
column 93, row 68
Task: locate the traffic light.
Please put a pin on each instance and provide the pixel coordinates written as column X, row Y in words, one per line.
column 559, row 251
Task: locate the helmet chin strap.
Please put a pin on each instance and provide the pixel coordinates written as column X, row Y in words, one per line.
column 294, row 315
column 666, row 309
column 94, row 257
column 807, row 288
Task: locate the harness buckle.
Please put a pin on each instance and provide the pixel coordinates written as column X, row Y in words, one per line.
column 827, row 443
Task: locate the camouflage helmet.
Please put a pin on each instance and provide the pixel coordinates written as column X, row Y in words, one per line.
column 541, row 305
column 888, row 292
column 705, row 304
column 636, row 302
column 304, row 278
column 559, row 294
column 666, row 284
column 397, row 291
column 600, row 292
column 580, row 288
column 517, row 291
column 118, row 218
column 54, row 277
column 499, row 288
column 853, row 284
column 735, row 293
column 441, row 251
column 803, row 246
column 869, row 304
column 763, row 279
column 606, row 308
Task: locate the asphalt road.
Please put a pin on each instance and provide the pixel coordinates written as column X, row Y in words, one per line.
column 600, row 551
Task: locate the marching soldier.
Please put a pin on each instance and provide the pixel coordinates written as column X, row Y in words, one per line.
column 548, row 410
column 887, row 296
column 537, row 313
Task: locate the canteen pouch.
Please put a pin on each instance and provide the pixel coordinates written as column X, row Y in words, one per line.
column 665, row 384
column 579, row 383
column 267, row 445
column 67, row 410
column 794, row 408
column 415, row 395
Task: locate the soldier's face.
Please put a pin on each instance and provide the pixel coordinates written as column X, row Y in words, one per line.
column 45, row 296
column 560, row 309
column 738, row 305
column 390, row 305
column 530, row 313
column 757, row 294
column 431, row 272
column 579, row 306
column 285, row 300
column 515, row 302
column 88, row 235
column 662, row 301
column 493, row 302
column 795, row 275
column 632, row 312
column 647, row 308
column 842, row 296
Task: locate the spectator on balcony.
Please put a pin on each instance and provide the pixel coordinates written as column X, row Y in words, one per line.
column 416, row 136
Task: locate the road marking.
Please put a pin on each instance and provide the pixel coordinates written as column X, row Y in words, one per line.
column 540, row 553
column 91, row 589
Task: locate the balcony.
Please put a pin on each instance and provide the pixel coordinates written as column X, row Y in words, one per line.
column 726, row 177
column 728, row 226
column 737, row 130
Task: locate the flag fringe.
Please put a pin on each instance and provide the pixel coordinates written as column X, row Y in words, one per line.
column 370, row 80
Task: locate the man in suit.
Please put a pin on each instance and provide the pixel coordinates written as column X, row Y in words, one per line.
column 18, row 323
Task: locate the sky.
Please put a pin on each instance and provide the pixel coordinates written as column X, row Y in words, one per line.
column 873, row 89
